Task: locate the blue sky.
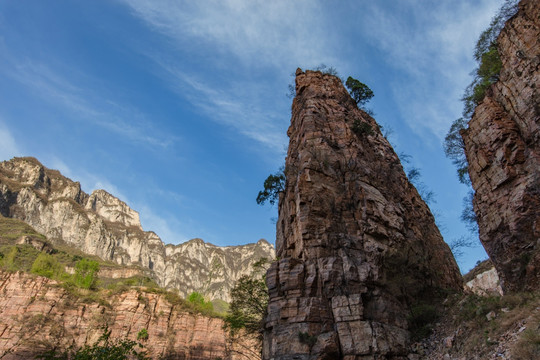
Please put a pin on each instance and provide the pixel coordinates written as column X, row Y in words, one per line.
column 180, row 109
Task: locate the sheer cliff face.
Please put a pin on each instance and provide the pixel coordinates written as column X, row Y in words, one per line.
column 38, row 316
column 103, row 225
column 356, row 241
column 502, row 145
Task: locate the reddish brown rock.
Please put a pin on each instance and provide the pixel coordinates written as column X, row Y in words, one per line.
column 502, row 145
column 356, row 243
column 36, row 315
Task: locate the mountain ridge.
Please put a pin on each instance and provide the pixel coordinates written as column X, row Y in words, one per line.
column 103, row 225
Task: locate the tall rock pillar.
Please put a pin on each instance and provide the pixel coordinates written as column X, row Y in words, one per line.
column 357, row 245
column 502, row 145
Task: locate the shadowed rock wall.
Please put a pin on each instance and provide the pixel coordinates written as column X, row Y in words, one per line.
column 357, row 245
column 502, row 145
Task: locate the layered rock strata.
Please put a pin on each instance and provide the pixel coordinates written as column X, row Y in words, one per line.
column 502, row 145
column 102, row 225
column 38, row 315
column 357, row 244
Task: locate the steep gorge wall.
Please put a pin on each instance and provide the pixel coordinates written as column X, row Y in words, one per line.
column 36, row 315
column 102, row 225
column 357, row 244
column 502, row 145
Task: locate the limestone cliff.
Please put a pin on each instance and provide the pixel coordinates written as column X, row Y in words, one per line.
column 103, row 225
column 357, row 245
column 38, row 315
column 502, row 145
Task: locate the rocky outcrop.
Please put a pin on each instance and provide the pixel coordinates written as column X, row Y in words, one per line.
column 357, row 244
column 38, row 315
column 483, row 280
column 502, row 145
column 102, row 225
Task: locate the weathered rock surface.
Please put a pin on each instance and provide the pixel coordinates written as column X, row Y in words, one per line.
column 36, row 315
column 103, row 225
column 483, row 280
column 502, row 145
column 356, row 243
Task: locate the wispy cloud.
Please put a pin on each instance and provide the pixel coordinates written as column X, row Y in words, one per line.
column 86, row 103
column 243, row 40
column 8, row 145
column 256, row 32
column 434, row 48
column 169, row 229
column 237, row 104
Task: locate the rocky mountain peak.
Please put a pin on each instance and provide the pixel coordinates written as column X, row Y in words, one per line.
column 357, row 244
column 103, row 225
column 112, row 209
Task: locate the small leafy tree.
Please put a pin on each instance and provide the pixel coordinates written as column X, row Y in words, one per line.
column 86, row 272
column 273, row 186
column 454, row 148
column 359, row 91
column 249, row 304
column 487, row 56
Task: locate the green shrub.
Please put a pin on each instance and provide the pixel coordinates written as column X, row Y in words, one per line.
column 8, row 262
column 200, row 303
column 142, row 334
column 361, row 128
column 47, row 265
column 18, row 257
column 86, row 274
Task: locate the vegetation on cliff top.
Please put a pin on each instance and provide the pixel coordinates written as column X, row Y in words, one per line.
column 78, row 273
column 484, row 75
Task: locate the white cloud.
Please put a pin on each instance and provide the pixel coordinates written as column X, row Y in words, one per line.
column 256, row 32
column 8, row 145
column 236, row 104
column 240, row 38
column 166, row 229
column 87, row 104
column 434, row 48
